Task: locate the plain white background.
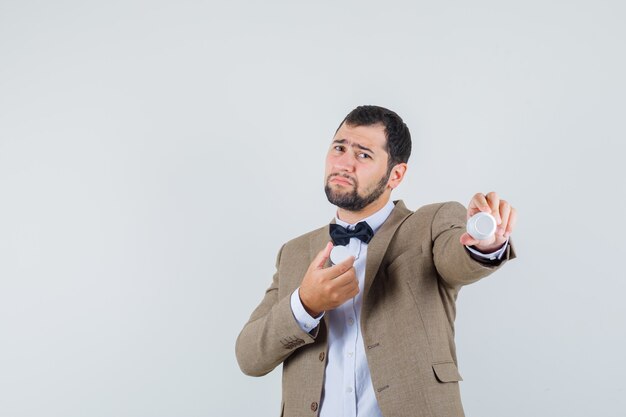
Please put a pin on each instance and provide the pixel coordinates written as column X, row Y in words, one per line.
column 155, row 155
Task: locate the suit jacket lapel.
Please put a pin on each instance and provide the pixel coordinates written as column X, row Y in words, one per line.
column 318, row 241
column 377, row 247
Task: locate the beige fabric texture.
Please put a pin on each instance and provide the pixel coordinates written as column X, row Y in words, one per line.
column 414, row 271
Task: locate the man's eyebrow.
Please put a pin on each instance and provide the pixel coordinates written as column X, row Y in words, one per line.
column 343, row 141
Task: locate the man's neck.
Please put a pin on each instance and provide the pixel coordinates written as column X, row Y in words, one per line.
column 353, row 217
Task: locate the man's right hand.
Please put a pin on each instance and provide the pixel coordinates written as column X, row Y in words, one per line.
column 325, row 289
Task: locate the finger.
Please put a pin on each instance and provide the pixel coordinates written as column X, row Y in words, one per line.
column 494, row 206
column 477, row 204
column 468, row 240
column 341, row 295
column 511, row 223
column 356, row 291
column 340, row 268
column 353, row 292
column 505, row 211
column 349, row 289
column 320, row 259
column 346, row 279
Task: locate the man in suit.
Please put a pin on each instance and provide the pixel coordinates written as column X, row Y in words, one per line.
column 373, row 334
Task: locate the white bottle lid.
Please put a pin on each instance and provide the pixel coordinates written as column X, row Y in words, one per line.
column 339, row 254
column 481, row 225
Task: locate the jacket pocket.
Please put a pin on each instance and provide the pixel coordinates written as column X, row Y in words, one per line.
column 446, row 372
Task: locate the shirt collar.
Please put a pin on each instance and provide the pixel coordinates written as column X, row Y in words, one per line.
column 375, row 220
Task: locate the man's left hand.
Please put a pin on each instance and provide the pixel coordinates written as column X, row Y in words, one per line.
column 505, row 216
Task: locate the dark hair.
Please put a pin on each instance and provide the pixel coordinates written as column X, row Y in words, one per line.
column 396, row 131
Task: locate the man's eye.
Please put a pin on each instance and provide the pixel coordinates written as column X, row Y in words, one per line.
column 338, row 148
column 364, row 156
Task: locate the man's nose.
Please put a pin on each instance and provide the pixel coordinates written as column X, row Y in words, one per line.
column 346, row 162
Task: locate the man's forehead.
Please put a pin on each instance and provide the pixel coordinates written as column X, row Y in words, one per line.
column 372, row 136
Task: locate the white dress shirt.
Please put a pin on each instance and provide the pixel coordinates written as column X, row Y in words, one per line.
column 348, row 389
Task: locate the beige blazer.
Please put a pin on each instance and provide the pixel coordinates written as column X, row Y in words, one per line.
column 415, row 268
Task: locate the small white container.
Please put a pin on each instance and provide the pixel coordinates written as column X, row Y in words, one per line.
column 339, row 254
column 481, row 226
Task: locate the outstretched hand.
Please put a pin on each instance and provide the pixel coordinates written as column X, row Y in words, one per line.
column 501, row 210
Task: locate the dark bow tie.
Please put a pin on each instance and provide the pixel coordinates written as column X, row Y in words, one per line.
column 341, row 236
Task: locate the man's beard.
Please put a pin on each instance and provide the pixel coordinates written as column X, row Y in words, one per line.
column 351, row 200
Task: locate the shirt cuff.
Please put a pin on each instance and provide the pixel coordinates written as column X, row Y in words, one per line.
column 493, row 256
column 304, row 319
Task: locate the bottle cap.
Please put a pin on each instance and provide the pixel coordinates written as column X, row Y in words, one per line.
column 481, row 225
column 339, row 254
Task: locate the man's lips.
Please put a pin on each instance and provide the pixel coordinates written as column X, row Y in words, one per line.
column 340, row 180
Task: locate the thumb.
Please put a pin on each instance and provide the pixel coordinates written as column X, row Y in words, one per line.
column 467, row 240
column 322, row 256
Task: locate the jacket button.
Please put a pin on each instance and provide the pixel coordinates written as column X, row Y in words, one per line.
column 313, row 406
column 322, row 356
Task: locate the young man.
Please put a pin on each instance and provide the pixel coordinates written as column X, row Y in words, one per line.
column 372, row 335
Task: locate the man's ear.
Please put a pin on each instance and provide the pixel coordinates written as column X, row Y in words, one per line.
column 397, row 175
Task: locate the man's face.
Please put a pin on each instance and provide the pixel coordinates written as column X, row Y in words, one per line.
column 356, row 166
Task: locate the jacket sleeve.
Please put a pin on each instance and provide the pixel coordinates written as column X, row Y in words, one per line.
column 454, row 264
column 272, row 333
